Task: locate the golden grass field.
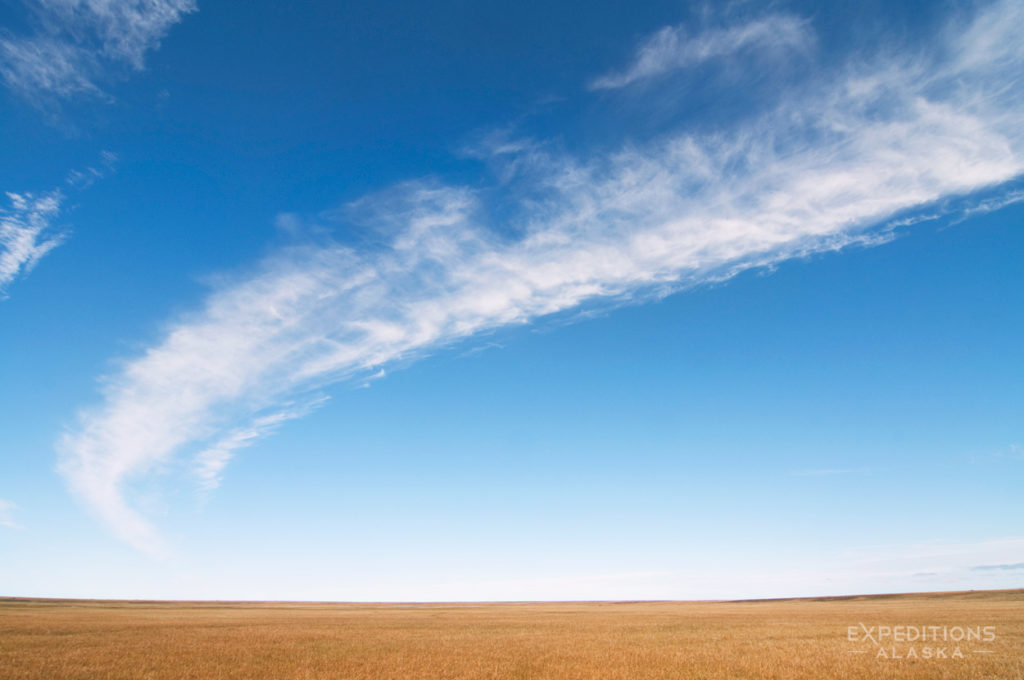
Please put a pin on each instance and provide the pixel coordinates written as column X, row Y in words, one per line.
column 803, row 638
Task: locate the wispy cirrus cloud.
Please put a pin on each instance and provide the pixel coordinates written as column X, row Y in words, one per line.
column 28, row 228
column 42, row 65
column 817, row 173
column 77, row 42
column 7, row 515
column 210, row 462
column 671, row 48
column 991, row 205
column 1017, row 566
column 27, row 233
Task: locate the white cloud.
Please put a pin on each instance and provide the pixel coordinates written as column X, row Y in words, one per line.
column 1018, row 566
column 210, row 462
column 816, row 174
column 34, row 65
column 27, row 231
column 990, row 205
column 671, row 48
column 26, row 234
column 6, row 515
column 78, row 41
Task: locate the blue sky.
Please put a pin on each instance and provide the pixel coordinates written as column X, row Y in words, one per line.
column 473, row 302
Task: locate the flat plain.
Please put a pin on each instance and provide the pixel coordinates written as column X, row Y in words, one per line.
column 812, row 638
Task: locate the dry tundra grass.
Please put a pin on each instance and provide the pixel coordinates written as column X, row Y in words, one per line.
column 767, row 639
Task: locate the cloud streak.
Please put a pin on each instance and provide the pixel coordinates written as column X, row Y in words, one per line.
column 671, row 49
column 999, row 567
column 6, row 515
column 210, row 462
column 77, row 42
column 26, row 234
column 27, row 230
column 818, row 173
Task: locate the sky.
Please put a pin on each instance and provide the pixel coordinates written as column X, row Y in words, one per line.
column 466, row 301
